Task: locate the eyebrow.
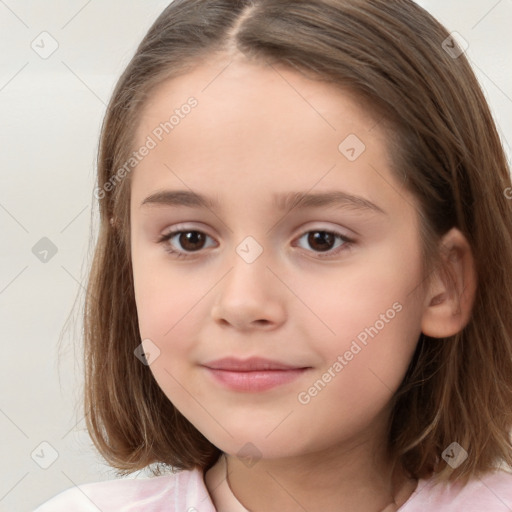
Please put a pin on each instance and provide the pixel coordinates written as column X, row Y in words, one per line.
column 287, row 201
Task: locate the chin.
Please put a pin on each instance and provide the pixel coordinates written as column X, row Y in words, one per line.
column 253, row 442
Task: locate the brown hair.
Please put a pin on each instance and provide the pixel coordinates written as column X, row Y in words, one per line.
column 389, row 53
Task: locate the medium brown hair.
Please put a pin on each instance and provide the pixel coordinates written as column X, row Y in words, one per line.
column 444, row 147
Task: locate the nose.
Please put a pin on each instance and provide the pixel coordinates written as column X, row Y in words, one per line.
column 250, row 296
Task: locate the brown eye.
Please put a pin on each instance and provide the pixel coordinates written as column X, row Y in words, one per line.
column 191, row 240
column 324, row 243
column 321, row 240
column 184, row 242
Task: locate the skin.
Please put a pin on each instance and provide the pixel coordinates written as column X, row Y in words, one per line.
column 257, row 130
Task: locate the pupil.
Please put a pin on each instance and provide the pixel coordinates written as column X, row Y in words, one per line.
column 190, row 238
column 320, row 237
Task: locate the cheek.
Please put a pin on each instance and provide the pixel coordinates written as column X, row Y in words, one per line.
column 371, row 317
column 172, row 302
column 165, row 292
column 376, row 293
column 166, row 309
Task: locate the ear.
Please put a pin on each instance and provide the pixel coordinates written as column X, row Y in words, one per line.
column 452, row 288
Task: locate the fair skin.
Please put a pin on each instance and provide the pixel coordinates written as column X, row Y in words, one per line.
column 259, row 130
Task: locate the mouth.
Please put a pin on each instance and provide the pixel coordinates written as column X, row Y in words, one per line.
column 252, row 375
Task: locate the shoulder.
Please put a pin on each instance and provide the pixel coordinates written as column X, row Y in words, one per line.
column 184, row 491
column 491, row 492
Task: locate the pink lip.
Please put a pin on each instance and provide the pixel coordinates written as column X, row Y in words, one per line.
column 254, row 374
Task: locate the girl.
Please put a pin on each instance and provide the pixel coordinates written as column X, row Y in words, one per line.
column 300, row 297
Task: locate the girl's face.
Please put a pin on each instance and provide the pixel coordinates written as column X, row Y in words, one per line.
column 329, row 288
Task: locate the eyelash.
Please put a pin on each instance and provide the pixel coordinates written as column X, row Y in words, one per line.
column 348, row 242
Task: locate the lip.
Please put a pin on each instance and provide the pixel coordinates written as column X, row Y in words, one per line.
column 248, row 365
column 253, row 374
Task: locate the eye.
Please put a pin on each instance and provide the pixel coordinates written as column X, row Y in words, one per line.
column 190, row 240
column 321, row 241
column 324, row 242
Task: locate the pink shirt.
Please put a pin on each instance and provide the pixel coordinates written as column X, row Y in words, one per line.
column 186, row 492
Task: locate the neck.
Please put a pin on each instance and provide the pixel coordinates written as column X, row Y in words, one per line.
column 356, row 478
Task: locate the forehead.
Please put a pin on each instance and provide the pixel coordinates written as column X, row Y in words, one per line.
column 257, row 91
column 257, row 127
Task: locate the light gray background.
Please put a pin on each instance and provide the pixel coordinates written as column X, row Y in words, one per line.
column 51, row 111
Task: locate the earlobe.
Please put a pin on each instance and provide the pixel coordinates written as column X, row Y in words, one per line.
column 451, row 294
